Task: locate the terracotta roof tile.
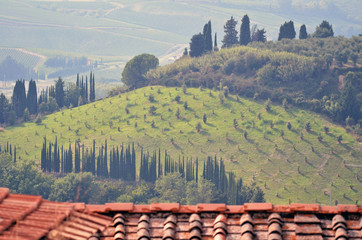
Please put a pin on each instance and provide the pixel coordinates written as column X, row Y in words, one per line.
column 165, row 207
column 298, row 207
column 258, row 206
column 120, row 207
column 188, row 209
column 207, row 207
column 30, row 217
column 347, row 208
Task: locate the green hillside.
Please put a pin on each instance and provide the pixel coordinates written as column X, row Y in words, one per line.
column 285, row 166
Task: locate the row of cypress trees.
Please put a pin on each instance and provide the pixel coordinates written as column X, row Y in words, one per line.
column 9, row 149
column 23, row 104
column 122, row 165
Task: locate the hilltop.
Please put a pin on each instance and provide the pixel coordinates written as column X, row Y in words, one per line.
column 253, row 139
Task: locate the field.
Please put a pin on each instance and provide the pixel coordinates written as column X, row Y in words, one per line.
column 286, row 165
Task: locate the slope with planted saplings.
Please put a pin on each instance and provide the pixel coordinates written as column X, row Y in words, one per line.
column 284, row 150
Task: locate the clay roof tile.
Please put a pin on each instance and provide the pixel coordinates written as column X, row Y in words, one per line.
column 299, row 207
column 347, row 208
column 195, row 224
column 247, row 236
column 120, row 207
column 120, row 228
column 219, row 231
column 144, row 218
column 165, row 207
column 220, row 218
column 195, row 234
column 169, row 225
column 275, row 216
column 275, row 236
column 338, row 219
column 247, row 228
column 246, row 218
column 119, row 215
column 194, row 217
column 258, row 206
column 341, row 232
column 274, row 228
column 119, row 236
column 172, row 218
column 143, row 233
column 143, row 225
column 215, row 207
column 168, row 233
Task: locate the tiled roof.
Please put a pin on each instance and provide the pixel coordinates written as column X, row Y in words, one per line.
column 30, row 217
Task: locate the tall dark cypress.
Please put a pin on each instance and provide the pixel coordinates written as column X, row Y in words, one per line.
column 105, row 161
column 59, row 92
column 19, row 98
column 32, row 98
column 303, row 32
column 245, row 36
column 207, row 37
column 93, row 161
column 76, row 158
column 43, row 156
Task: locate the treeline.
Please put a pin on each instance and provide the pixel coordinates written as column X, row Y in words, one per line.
column 23, row 105
column 25, row 178
column 122, row 162
column 201, row 43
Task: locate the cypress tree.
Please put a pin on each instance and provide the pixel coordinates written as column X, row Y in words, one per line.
column 32, row 98
column 105, row 161
column 245, row 36
column 303, row 32
column 287, row 31
column 93, row 158
column 19, row 98
column 43, row 156
column 14, row 154
column 59, row 92
column 207, row 37
column 76, row 158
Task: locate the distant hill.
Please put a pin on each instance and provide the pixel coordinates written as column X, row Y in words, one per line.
column 255, row 143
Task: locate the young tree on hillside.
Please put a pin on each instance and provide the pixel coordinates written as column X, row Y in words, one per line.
column 32, row 98
column 303, row 32
column 324, row 30
column 135, row 69
column 197, row 45
column 207, row 37
column 230, row 37
column 287, row 31
column 59, row 92
column 19, row 98
column 245, row 37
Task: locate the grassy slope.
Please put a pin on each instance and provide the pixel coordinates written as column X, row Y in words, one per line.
column 271, row 161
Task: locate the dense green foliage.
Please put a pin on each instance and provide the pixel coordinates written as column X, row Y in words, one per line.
column 135, row 69
column 263, row 153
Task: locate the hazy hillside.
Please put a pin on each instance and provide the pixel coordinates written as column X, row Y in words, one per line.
column 256, row 144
